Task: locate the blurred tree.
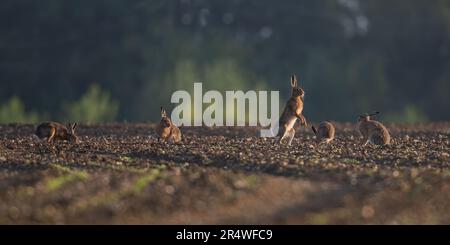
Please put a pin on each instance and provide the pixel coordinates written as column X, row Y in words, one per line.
column 361, row 54
column 13, row 111
column 410, row 114
column 94, row 106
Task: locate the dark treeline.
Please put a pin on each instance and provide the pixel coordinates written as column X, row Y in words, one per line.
column 127, row 57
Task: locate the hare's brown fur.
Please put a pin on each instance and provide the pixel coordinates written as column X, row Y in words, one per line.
column 291, row 112
column 166, row 130
column 325, row 132
column 52, row 131
column 373, row 131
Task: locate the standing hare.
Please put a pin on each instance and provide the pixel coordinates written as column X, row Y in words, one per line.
column 325, row 132
column 291, row 112
column 166, row 130
column 373, row 131
column 56, row 131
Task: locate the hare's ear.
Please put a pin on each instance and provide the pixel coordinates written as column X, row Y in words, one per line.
column 163, row 112
column 314, row 129
column 293, row 81
column 374, row 113
column 74, row 126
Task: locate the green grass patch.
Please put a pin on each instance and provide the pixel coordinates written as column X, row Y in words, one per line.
column 58, row 182
column 253, row 180
column 126, row 159
column 68, row 176
column 143, row 181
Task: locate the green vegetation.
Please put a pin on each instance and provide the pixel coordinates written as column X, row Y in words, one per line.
column 13, row 111
column 143, row 181
column 56, row 183
column 93, row 107
column 410, row 114
column 68, row 176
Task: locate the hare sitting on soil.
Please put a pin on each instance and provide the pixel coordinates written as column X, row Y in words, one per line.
column 373, row 131
column 325, row 132
column 166, row 130
column 56, row 131
column 292, row 111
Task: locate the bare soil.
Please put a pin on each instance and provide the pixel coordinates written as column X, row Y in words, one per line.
column 121, row 174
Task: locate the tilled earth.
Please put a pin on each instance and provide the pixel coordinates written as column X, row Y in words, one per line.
column 121, row 173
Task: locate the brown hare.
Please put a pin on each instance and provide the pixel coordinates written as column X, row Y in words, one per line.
column 325, row 132
column 52, row 131
column 291, row 112
column 166, row 130
column 373, row 131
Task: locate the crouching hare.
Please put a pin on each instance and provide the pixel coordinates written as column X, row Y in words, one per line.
column 324, row 133
column 292, row 111
column 373, row 131
column 166, row 130
column 52, row 131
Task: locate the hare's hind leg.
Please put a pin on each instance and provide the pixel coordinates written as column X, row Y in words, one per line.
column 291, row 135
column 281, row 134
column 175, row 140
column 278, row 140
column 325, row 141
column 165, row 140
column 52, row 135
